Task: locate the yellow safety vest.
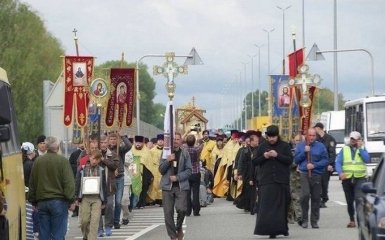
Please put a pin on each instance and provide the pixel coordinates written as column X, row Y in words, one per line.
column 353, row 167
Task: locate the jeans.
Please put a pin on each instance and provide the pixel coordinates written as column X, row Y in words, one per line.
column 353, row 194
column 119, row 181
column 53, row 219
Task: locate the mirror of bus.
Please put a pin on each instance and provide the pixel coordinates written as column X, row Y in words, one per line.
column 5, row 106
column 4, row 133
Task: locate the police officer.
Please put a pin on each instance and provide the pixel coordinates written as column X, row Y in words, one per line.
column 330, row 144
column 350, row 165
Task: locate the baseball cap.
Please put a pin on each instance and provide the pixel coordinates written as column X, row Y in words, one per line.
column 319, row 125
column 355, row 135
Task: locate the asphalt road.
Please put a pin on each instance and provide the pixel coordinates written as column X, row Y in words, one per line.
column 222, row 220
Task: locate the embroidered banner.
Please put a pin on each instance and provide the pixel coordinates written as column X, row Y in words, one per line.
column 285, row 107
column 122, row 96
column 77, row 76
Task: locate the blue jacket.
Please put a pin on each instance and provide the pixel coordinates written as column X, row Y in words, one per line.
column 184, row 172
column 319, row 157
column 340, row 158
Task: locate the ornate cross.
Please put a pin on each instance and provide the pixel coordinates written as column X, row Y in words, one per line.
column 304, row 81
column 170, row 70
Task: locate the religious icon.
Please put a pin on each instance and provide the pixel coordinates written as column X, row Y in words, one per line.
column 79, row 74
column 98, row 88
column 284, row 97
column 122, row 94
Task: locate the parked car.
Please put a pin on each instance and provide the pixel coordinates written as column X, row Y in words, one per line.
column 371, row 211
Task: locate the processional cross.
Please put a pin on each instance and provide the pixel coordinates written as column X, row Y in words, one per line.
column 304, row 81
column 170, row 70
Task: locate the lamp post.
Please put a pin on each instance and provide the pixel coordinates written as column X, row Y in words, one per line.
column 268, row 69
column 245, row 101
column 252, row 90
column 283, row 9
column 259, row 78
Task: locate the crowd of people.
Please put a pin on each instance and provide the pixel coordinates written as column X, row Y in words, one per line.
column 262, row 174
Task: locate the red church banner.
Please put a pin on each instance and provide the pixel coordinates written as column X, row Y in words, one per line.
column 296, row 60
column 77, row 77
column 122, row 96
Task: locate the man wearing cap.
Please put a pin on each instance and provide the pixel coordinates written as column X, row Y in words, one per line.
column 312, row 158
column 154, row 192
column 139, row 151
column 350, row 165
column 273, row 158
column 208, row 146
column 330, row 144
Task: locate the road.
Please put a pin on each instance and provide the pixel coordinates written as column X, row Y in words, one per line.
column 222, row 220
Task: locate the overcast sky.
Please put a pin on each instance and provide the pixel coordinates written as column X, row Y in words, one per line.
column 224, row 33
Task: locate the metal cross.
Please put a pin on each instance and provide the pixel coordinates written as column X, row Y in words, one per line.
column 170, row 70
column 304, row 80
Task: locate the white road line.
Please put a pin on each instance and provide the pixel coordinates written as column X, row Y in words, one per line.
column 340, row 203
column 142, row 232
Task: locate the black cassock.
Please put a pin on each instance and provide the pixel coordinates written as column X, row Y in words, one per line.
column 274, row 189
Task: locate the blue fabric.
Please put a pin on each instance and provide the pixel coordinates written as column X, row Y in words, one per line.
column 119, row 182
column 319, row 157
column 53, row 219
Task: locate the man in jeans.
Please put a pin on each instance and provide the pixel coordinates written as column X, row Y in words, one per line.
column 52, row 191
column 175, row 170
column 193, row 205
column 113, row 139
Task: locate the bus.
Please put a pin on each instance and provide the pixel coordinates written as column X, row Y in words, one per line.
column 11, row 166
column 366, row 115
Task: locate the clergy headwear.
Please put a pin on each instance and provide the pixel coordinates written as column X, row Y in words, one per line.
column 234, row 133
column 272, row 131
column 139, row 139
column 160, row 137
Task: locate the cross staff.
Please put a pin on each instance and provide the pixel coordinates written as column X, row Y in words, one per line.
column 304, row 81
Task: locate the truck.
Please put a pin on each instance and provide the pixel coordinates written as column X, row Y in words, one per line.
column 334, row 125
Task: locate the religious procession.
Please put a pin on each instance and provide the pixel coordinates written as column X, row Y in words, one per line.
column 172, row 145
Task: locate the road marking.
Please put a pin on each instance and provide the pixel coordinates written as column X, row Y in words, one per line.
column 340, row 203
column 144, row 231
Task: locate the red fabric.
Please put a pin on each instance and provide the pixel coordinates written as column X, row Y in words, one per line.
column 122, row 100
column 83, row 161
column 295, row 60
column 78, row 91
column 305, row 113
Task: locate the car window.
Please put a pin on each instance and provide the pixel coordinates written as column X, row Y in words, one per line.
column 379, row 178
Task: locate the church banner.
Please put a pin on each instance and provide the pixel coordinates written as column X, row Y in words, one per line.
column 122, row 96
column 78, row 72
column 285, row 106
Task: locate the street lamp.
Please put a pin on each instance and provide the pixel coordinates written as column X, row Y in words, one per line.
column 259, row 78
column 283, row 9
column 268, row 69
column 245, row 105
column 252, row 90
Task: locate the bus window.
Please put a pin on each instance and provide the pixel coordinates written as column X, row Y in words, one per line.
column 359, row 119
column 375, row 116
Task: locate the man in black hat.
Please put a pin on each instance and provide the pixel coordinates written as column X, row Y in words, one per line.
column 273, row 158
column 41, row 145
column 154, row 192
column 140, row 151
column 330, row 144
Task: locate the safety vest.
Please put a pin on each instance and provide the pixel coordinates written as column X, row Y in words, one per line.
column 353, row 167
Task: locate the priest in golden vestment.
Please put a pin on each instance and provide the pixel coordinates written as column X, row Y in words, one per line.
column 155, row 192
column 208, row 146
column 223, row 174
column 140, row 151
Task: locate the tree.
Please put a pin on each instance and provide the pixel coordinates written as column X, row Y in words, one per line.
column 324, row 101
column 29, row 54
